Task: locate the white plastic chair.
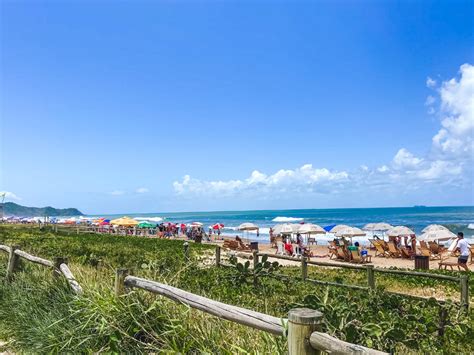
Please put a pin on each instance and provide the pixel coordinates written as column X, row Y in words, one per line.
column 280, row 248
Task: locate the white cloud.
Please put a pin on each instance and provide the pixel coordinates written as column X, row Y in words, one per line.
column 430, row 100
column 405, row 160
column 448, row 163
column 455, row 138
column 117, row 193
column 9, row 196
column 383, row 169
column 431, row 83
column 305, row 178
column 142, row 190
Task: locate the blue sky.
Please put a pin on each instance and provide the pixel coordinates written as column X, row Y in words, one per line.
column 179, row 106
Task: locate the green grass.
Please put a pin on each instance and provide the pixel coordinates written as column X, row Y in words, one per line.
column 39, row 313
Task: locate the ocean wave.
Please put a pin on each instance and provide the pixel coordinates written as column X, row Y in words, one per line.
column 470, row 226
column 153, row 219
column 287, row 219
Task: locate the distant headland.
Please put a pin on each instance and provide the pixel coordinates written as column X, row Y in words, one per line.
column 14, row 209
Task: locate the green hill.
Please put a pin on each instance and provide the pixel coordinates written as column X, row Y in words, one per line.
column 13, row 209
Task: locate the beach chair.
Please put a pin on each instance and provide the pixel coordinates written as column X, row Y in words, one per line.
column 426, row 251
column 356, row 257
column 379, row 249
column 446, row 264
column 280, row 248
column 312, row 240
column 243, row 247
column 393, row 250
column 332, row 250
column 436, row 249
column 406, row 253
column 342, row 253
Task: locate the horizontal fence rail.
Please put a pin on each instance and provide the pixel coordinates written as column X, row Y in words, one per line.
column 61, row 267
column 302, row 323
column 235, row 314
column 463, row 280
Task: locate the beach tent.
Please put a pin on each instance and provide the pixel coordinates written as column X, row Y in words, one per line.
column 399, row 231
column 440, row 234
column 339, row 227
column 434, row 228
column 124, row 221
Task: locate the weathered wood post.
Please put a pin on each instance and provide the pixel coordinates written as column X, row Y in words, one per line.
column 371, row 276
column 464, row 283
column 255, row 263
column 120, row 276
column 186, row 251
column 77, row 230
column 218, row 256
column 301, row 323
column 57, row 263
column 12, row 262
column 304, row 268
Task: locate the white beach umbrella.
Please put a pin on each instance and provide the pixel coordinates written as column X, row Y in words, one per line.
column 350, row 232
column 283, row 229
column 309, row 228
column 247, row 227
column 399, row 230
column 369, row 227
column 434, row 228
column 381, row 226
column 440, row 234
column 339, row 227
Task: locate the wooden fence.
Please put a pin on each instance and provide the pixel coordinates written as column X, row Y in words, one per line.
column 370, row 270
column 59, row 266
column 302, row 328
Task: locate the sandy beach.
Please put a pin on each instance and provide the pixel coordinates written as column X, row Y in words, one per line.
column 320, row 253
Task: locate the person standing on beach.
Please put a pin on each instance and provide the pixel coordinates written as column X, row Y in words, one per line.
column 463, row 247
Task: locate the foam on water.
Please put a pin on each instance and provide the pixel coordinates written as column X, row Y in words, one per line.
column 153, row 219
column 287, row 219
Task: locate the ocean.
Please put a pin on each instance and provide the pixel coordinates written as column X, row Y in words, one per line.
column 455, row 218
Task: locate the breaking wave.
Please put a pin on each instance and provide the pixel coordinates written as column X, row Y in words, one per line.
column 286, row 219
column 153, row 219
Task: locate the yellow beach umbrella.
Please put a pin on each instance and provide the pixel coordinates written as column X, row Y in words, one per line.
column 124, row 221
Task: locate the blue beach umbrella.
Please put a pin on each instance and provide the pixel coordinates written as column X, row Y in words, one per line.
column 328, row 228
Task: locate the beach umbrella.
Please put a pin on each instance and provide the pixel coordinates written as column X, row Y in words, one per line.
column 310, row 228
column 381, row 226
column 124, row 221
column 217, row 226
column 328, row 228
column 196, row 224
column 247, row 227
column 433, row 228
column 283, row 229
column 399, row 230
column 350, row 232
column 337, row 228
column 440, row 234
column 146, row 224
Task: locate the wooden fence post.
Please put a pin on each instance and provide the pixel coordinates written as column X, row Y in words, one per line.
column 304, row 268
column 77, row 230
column 57, row 263
column 218, row 256
column 186, row 251
column 371, row 276
column 464, row 283
column 301, row 323
column 119, row 281
column 255, row 263
column 12, row 262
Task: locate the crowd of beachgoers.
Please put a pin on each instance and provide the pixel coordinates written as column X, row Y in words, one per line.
column 297, row 240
